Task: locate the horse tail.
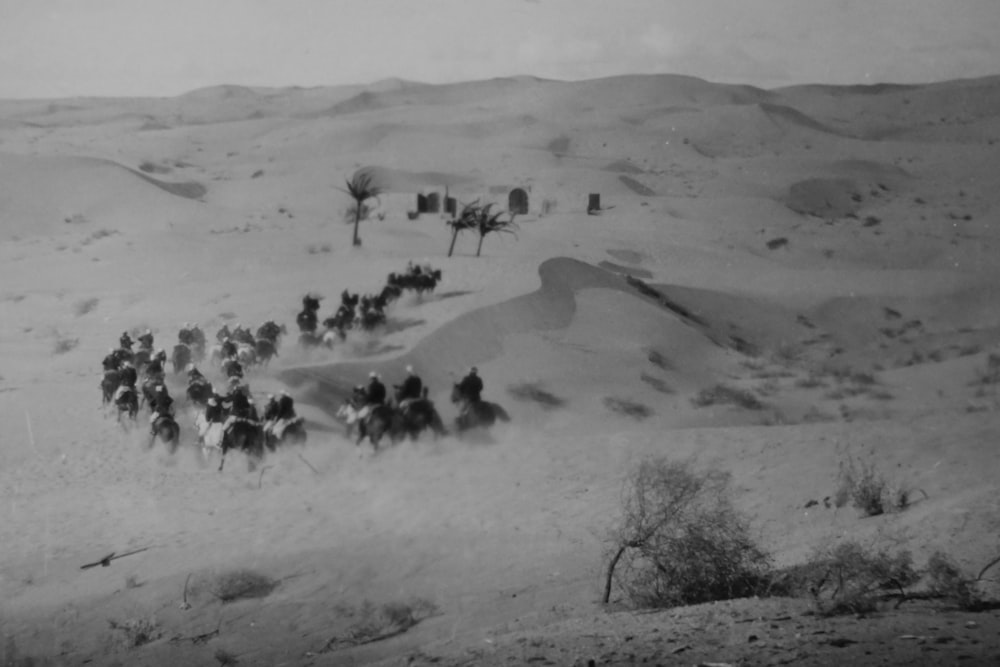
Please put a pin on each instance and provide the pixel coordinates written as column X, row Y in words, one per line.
column 501, row 414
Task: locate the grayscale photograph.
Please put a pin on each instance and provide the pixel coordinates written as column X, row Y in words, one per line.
column 460, row 333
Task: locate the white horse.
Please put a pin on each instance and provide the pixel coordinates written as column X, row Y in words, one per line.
column 209, row 433
column 350, row 415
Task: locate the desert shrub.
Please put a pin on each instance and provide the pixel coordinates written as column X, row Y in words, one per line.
column 85, row 306
column 681, row 541
column 868, row 490
column 533, row 392
column 153, row 168
column 64, row 344
column 723, row 394
column 656, row 383
column 623, row 406
column 378, row 622
column 850, row 578
column 990, row 375
column 225, row 658
column 660, row 361
column 134, row 632
column 774, row 244
column 946, row 580
column 240, row 584
column 314, row 249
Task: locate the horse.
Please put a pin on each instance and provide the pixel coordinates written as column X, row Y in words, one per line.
column 166, row 429
column 109, row 383
column 265, row 349
column 148, row 391
column 271, row 331
column 141, row 359
column 246, row 436
column 307, row 321
column 181, row 357
column 476, row 414
column 420, row 415
column 381, row 420
column 246, row 354
column 199, row 392
column 294, row 433
column 127, row 401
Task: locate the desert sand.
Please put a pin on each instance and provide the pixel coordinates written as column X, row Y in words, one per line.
column 798, row 239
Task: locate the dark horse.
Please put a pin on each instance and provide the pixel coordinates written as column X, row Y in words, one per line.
column 167, row 430
column 420, row 415
column 246, row 436
column 109, row 383
column 476, row 414
column 293, row 434
column 382, row 420
column 127, row 401
column 181, row 357
column 265, row 350
column 199, row 393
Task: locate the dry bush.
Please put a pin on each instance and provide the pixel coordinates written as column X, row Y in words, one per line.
column 850, row 578
column 241, row 584
column 623, row 406
column 680, row 540
column 868, row 490
column 946, row 580
column 225, row 658
column 134, row 632
column 314, row 249
column 64, row 344
column 660, row 361
column 723, row 394
column 533, row 392
column 85, row 306
column 656, row 383
column 378, row 622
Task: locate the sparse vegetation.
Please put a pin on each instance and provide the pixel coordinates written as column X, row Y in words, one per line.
column 361, row 188
column 241, row 584
column 774, row 244
column 681, row 541
column 723, row 394
column 481, row 219
column 533, row 392
column 64, row 344
column 314, row 249
column 378, row 622
column 656, row 383
column 868, row 490
column 85, row 306
column 628, row 408
column 134, row 632
column 850, row 578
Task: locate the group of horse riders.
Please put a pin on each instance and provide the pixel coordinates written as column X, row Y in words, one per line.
column 411, row 390
column 238, row 404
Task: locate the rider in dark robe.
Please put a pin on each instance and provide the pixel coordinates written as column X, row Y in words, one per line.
column 223, row 333
column 110, row 362
column 162, row 406
column 125, row 341
column 146, row 340
column 229, row 348
column 375, row 393
column 128, row 376
column 214, row 411
column 411, row 389
column 471, row 386
column 184, row 335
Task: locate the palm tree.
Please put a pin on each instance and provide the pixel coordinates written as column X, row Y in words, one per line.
column 464, row 221
column 361, row 189
column 487, row 223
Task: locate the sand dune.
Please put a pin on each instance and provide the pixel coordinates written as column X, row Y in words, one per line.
column 824, row 254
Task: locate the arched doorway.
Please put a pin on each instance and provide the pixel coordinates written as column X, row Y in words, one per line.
column 433, row 202
column 517, row 201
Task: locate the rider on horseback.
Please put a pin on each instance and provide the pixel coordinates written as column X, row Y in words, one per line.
column 146, row 340
column 374, row 395
column 125, row 341
column 162, row 405
column 110, row 362
column 229, row 349
column 411, row 390
column 281, row 415
column 471, row 386
column 128, row 376
column 184, row 335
